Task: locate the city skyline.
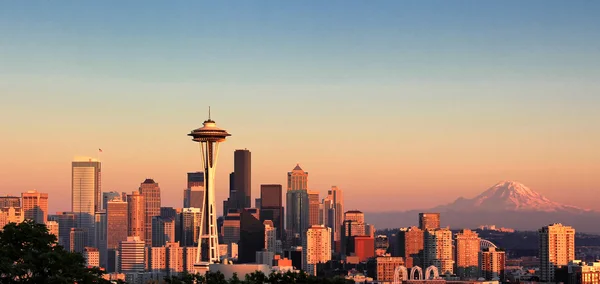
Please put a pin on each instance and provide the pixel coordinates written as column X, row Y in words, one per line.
column 465, row 98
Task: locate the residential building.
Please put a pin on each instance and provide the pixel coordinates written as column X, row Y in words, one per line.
column 467, row 246
column 35, row 206
column 557, row 249
column 429, row 221
column 317, row 246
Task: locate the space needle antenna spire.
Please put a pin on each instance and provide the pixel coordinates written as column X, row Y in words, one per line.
column 208, row 136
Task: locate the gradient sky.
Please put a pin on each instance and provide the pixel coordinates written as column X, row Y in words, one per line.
column 402, row 104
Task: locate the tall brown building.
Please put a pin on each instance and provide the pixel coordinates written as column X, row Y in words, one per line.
column 116, row 223
column 313, row 208
column 557, row 249
column 467, row 254
column 151, row 193
column 410, row 246
column 491, row 264
column 35, row 206
column 429, row 221
column 272, row 206
column 136, row 215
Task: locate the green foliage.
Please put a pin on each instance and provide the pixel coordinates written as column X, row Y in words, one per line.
column 257, row 277
column 30, row 254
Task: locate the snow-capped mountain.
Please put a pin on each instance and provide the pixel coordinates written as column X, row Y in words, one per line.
column 508, row 196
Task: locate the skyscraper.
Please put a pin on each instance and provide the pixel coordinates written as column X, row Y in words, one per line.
column 492, row 263
column 313, row 208
column 191, row 221
column 136, row 215
column 108, row 196
column 101, row 234
column 297, row 179
column 209, row 136
column 272, row 206
column 150, row 190
column 78, row 240
column 193, row 195
column 116, row 223
column 66, row 221
column 354, row 225
column 410, row 246
column 242, row 164
column 252, row 236
column 317, row 248
column 163, row 231
column 438, row 250
column 336, row 198
column 86, row 193
column 557, row 248
column 35, row 206
column 467, row 254
column 429, row 221
column 297, row 214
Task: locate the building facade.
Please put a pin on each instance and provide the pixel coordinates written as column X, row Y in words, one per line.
column 438, row 250
column 492, row 262
column 316, row 247
column 86, row 193
column 429, row 221
column 136, row 215
column 557, row 249
column 467, row 254
column 35, row 206
column 150, row 191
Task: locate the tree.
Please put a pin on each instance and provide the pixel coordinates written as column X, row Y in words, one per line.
column 30, row 254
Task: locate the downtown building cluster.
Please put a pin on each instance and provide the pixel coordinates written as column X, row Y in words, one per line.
column 131, row 236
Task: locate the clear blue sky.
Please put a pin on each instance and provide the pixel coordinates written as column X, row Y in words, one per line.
column 466, row 92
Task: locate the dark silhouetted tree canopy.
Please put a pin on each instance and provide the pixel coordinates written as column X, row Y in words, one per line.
column 30, row 254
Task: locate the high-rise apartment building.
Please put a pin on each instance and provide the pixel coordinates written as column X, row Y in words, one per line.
column 174, row 259
column 150, row 190
column 438, row 250
column 136, row 215
column 270, row 236
column 313, row 208
column 385, row 268
column 86, row 193
column 429, row 221
column 35, row 206
column 272, row 206
column 557, row 249
column 492, row 262
column 409, row 245
column 317, row 248
column 108, row 196
column 297, row 179
column 132, row 255
column 467, row 254
column 10, row 201
column 92, row 257
column 193, row 195
column 11, row 215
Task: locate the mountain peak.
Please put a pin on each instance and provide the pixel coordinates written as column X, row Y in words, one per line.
column 509, row 196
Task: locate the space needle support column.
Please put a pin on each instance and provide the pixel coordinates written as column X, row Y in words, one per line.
column 209, row 136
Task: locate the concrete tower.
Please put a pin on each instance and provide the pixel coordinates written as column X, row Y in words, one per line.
column 209, row 136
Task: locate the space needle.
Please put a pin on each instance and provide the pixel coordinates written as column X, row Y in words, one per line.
column 209, row 136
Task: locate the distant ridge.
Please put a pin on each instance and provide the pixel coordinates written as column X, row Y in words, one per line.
column 506, row 204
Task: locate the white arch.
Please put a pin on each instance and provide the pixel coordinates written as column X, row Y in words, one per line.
column 413, row 273
column 436, row 274
column 483, row 244
column 397, row 278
